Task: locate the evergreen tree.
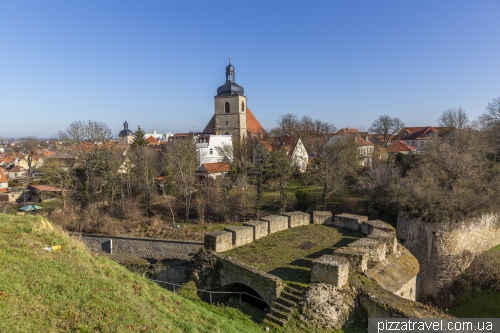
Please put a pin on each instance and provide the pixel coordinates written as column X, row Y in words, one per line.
column 139, row 138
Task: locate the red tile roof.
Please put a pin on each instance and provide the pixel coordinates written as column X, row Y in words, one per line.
column 3, row 178
column 419, row 133
column 152, row 141
column 352, row 132
column 45, row 188
column 253, row 125
column 216, row 167
column 400, row 146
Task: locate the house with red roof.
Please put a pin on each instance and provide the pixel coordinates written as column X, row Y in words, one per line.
column 400, row 147
column 213, row 170
column 419, row 136
column 4, row 182
column 365, row 148
column 15, row 172
column 152, row 141
column 295, row 149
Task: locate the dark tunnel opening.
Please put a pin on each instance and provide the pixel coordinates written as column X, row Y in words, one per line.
column 248, row 295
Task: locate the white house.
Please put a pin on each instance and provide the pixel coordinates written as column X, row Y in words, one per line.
column 364, row 147
column 214, row 148
column 296, row 151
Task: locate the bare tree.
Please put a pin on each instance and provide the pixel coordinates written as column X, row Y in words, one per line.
column 332, row 166
column 491, row 118
column 376, row 183
column 54, row 175
column 313, row 133
column 386, row 127
column 279, row 172
column 180, row 163
column 454, row 118
column 89, row 140
column 29, row 146
column 90, row 131
column 489, row 124
column 146, row 167
column 454, row 179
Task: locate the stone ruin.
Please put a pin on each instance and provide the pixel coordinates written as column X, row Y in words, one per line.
column 378, row 256
column 231, row 237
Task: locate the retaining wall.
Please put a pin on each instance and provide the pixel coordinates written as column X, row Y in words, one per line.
column 158, row 249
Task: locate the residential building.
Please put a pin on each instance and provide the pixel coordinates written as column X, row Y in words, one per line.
column 365, row 148
column 15, row 172
column 295, row 149
column 213, row 170
column 4, row 182
column 211, row 148
column 400, row 147
column 419, row 136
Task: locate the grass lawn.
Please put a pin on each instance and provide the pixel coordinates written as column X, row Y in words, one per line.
column 288, row 254
column 71, row 290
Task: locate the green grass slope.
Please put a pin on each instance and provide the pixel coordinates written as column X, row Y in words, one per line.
column 72, row 290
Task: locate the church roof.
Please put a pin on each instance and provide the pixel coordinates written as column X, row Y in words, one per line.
column 230, row 88
column 253, row 125
column 210, row 128
column 125, row 131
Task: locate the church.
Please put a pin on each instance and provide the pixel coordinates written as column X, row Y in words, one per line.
column 231, row 113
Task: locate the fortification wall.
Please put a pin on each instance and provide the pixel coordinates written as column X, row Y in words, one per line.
column 158, row 249
column 444, row 249
column 378, row 256
column 231, row 271
column 231, row 237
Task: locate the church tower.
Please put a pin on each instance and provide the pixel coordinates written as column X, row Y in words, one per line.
column 126, row 136
column 231, row 107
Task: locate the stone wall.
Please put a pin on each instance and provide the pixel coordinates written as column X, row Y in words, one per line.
column 221, row 241
column 331, row 269
column 443, row 249
column 276, row 223
column 260, row 228
column 296, row 219
column 379, row 256
column 321, row 217
column 231, row 271
column 241, row 235
column 158, row 249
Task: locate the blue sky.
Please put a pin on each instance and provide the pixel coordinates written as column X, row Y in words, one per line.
column 158, row 63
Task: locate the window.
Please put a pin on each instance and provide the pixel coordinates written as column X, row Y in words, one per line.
column 226, row 107
column 242, row 106
column 227, row 122
column 211, row 151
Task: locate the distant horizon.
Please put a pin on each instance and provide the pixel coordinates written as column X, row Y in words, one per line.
column 159, row 64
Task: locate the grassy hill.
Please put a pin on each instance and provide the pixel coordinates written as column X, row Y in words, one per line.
column 73, row 290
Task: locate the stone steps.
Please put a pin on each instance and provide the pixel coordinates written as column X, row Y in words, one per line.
column 283, row 307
